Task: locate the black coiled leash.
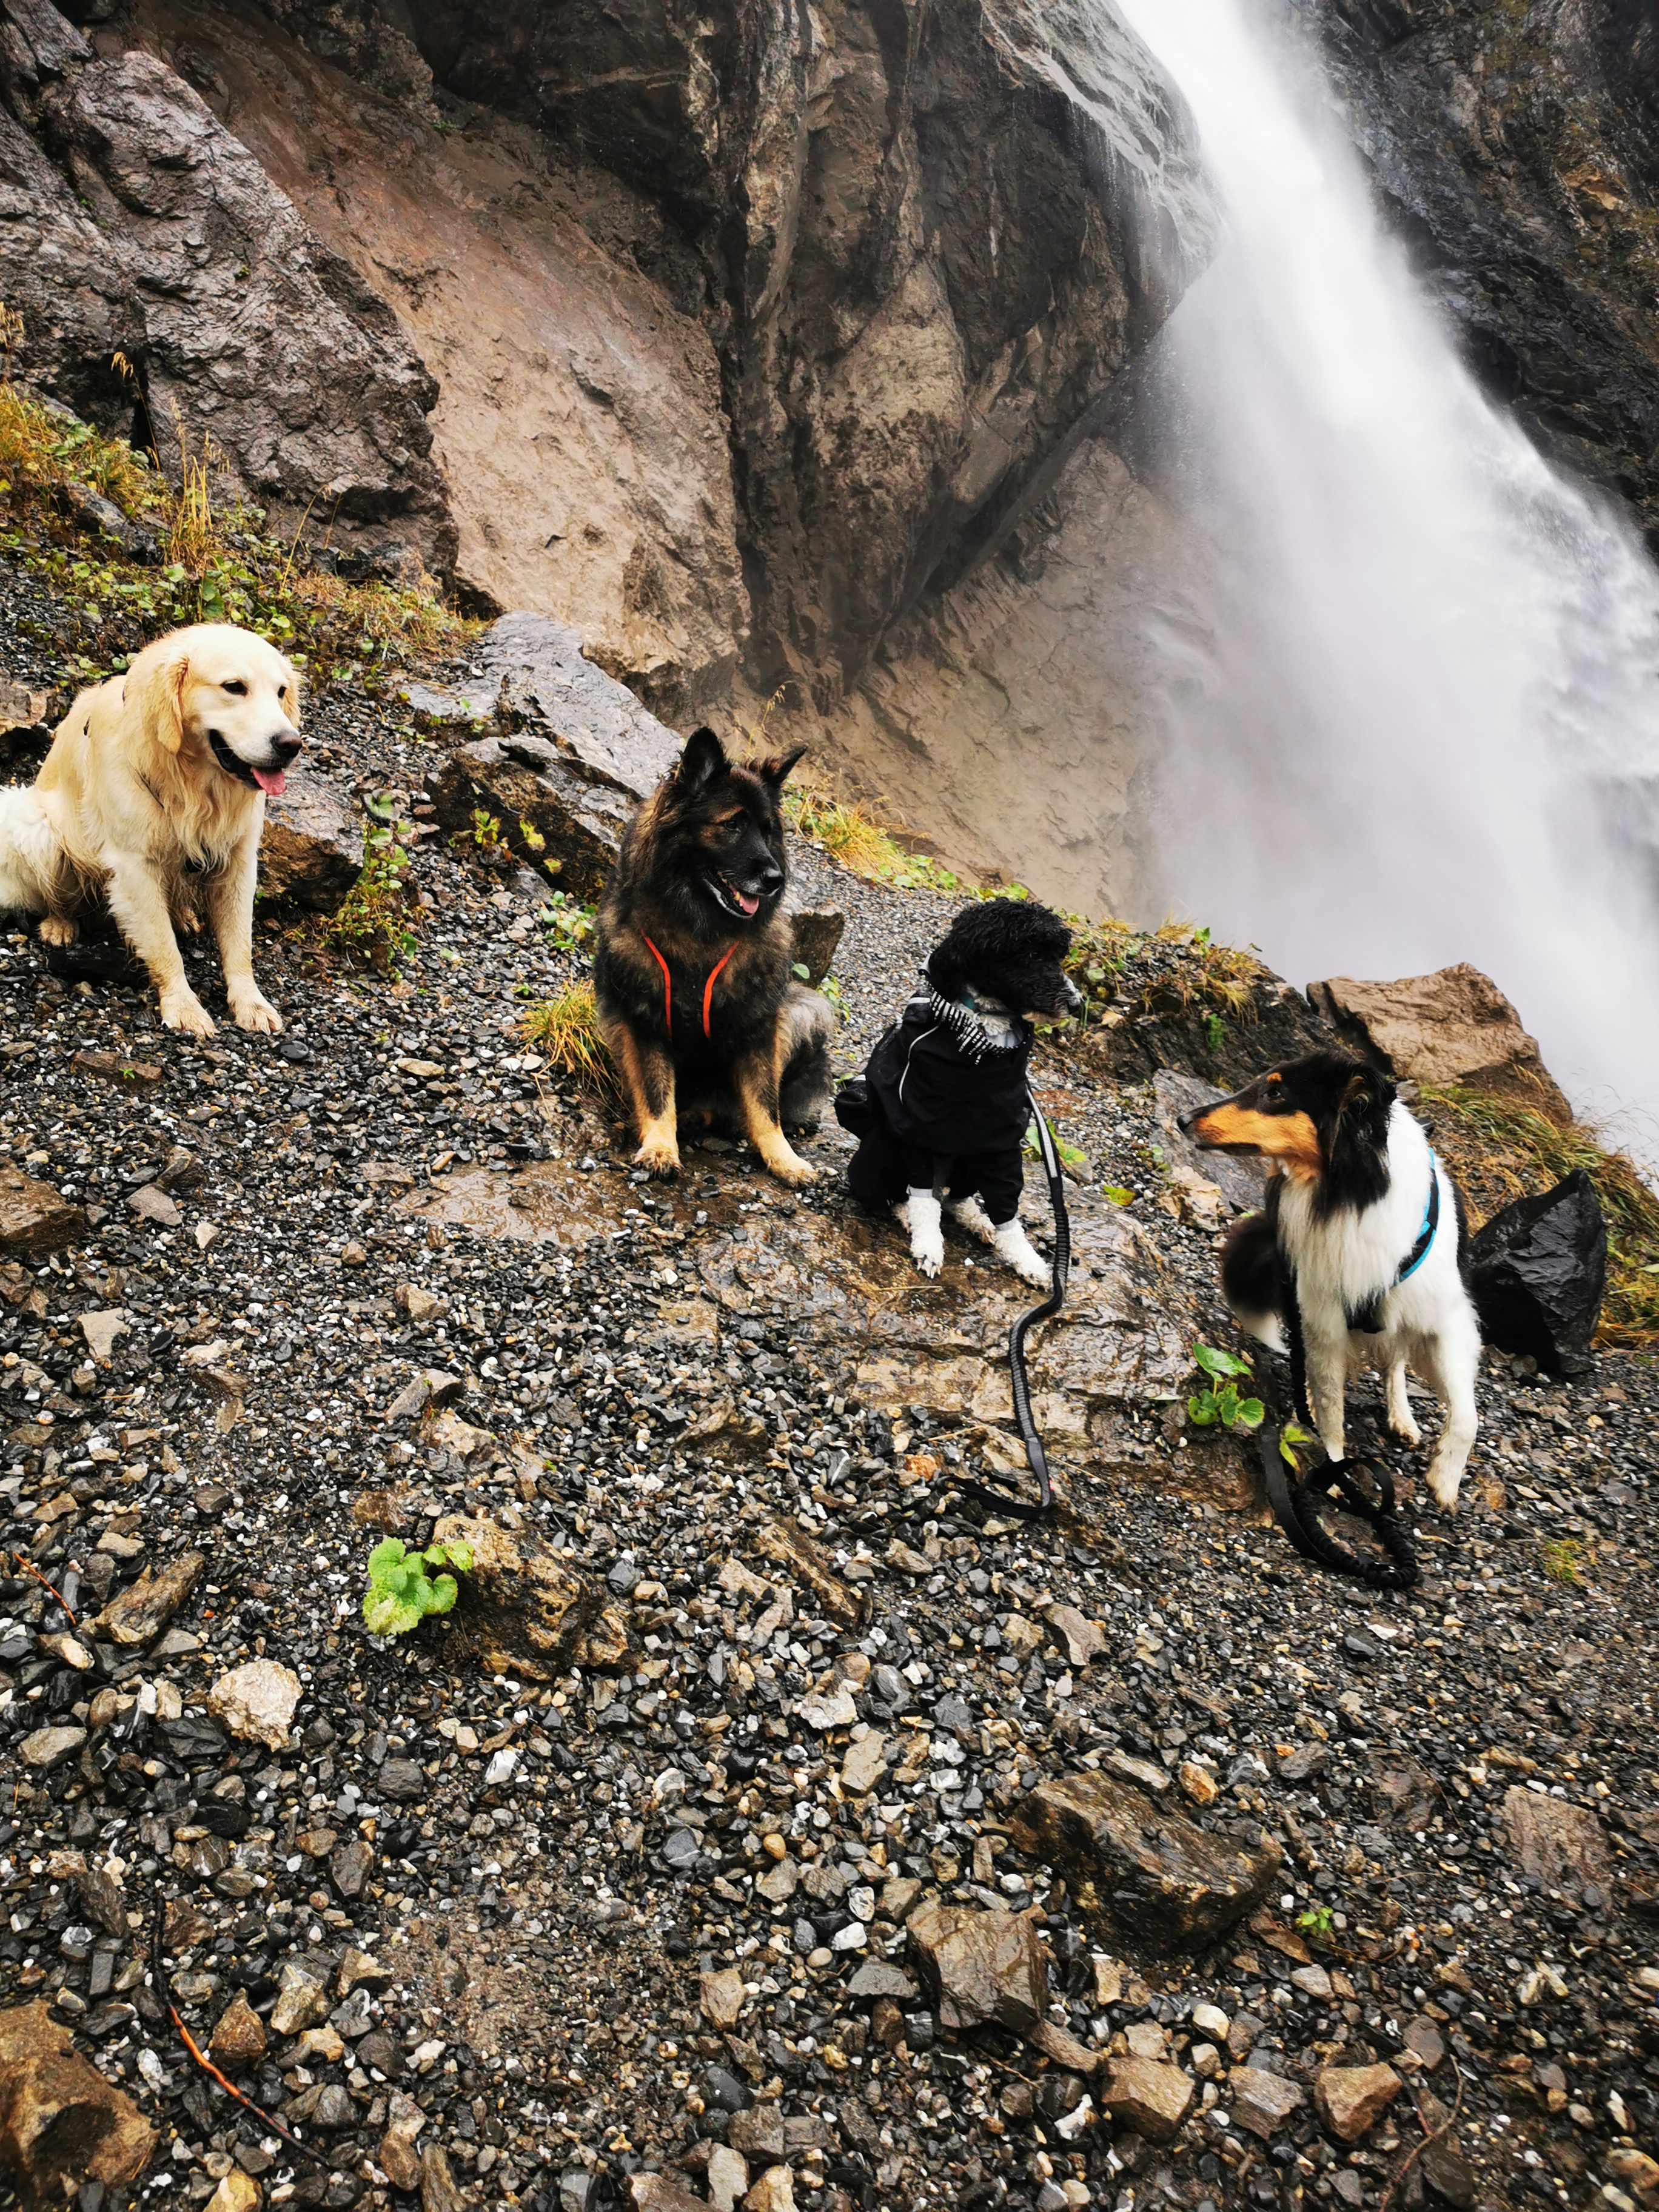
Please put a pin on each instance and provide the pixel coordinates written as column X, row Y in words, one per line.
column 1292, row 1500
column 1037, row 1459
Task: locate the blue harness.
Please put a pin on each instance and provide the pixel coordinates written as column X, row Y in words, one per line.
column 1367, row 1318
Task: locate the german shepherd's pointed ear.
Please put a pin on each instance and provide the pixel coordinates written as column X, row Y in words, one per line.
column 703, row 759
column 776, row 770
column 156, row 702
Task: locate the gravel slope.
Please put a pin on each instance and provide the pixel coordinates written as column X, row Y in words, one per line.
column 544, row 1922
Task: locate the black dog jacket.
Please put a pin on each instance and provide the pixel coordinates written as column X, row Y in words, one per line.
column 942, row 1083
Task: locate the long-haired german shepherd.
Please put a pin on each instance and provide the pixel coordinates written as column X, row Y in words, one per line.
column 691, row 969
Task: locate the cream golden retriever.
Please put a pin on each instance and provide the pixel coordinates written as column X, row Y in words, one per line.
column 154, row 792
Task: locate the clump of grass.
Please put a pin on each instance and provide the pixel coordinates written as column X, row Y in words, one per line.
column 39, row 454
column 567, row 1028
column 1565, row 1559
column 375, row 919
column 1501, row 1150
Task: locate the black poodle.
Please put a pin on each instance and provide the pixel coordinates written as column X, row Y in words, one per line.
column 944, row 1102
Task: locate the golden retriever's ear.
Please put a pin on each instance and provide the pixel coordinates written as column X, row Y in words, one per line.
column 156, row 701
column 291, row 693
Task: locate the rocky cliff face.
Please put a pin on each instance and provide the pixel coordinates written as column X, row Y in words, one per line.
column 746, row 326
column 163, row 280
column 1516, row 151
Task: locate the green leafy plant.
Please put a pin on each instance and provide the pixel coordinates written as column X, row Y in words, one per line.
column 1316, row 1920
column 1070, row 1156
column 1115, row 1194
column 567, row 923
column 485, row 834
column 1291, row 1437
column 402, row 1590
column 373, row 919
column 1215, row 1032
column 1219, row 1402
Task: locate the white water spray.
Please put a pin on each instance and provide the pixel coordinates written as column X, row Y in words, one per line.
column 1424, row 720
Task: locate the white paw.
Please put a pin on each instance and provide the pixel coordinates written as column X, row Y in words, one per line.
column 184, row 1011
column 256, row 1013
column 927, row 1250
column 972, row 1217
column 189, row 920
column 1444, row 1485
column 56, row 929
column 1016, row 1251
column 1404, row 1430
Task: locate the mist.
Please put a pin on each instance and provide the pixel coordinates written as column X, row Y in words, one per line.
column 1418, row 719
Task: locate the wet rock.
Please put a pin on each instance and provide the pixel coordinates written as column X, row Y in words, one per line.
column 142, row 1611
column 722, row 1997
column 33, row 1219
column 399, row 2161
column 658, row 2193
column 1242, row 1183
column 63, row 2126
column 239, row 2036
column 864, row 1764
column 1140, row 1871
column 1454, row 1026
column 312, row 851
column 348, row 1869
column 773, row 2192
column 1082, row 1640
column 1445, row 2167
column 1260, row 2101
column 43, row 1749
column 237, row 2192
column 1351, row 2099
column 728, row 2177
column 801, row 1556
column 438, row 2189
column 302, row 2001
column 981, row 1966
column 757, row 2131
column 816, row 932
column 521, row 1610
column 1537, row 1273
column 256, row 1702
column 1556, row 1843
column 574, row 754
column 1147, row 2095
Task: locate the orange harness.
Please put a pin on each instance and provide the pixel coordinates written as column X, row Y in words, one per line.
column 668, row 988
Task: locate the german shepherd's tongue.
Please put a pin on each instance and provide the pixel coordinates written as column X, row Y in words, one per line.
column 748, row 905
column 270, row 780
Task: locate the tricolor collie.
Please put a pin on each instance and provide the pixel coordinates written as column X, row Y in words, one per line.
column 1362, row 1234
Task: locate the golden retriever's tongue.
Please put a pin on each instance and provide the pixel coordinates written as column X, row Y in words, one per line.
column 270, row 779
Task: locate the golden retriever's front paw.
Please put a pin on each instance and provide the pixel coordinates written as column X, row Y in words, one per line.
column 186, row 1012
column 255, row 1013
column 57, row 929
column 661, row 1155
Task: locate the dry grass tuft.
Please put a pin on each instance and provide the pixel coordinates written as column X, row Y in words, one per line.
column 567, row 1028
column 1501, row 1150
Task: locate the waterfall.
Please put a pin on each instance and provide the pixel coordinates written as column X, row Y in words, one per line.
column 1417, row 719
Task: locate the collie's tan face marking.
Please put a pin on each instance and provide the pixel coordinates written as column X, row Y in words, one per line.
column 1290, row 1139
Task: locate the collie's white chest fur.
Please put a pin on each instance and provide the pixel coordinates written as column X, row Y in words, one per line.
column 1346, row 1258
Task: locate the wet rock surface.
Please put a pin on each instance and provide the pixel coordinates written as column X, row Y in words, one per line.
column 473, row 1905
